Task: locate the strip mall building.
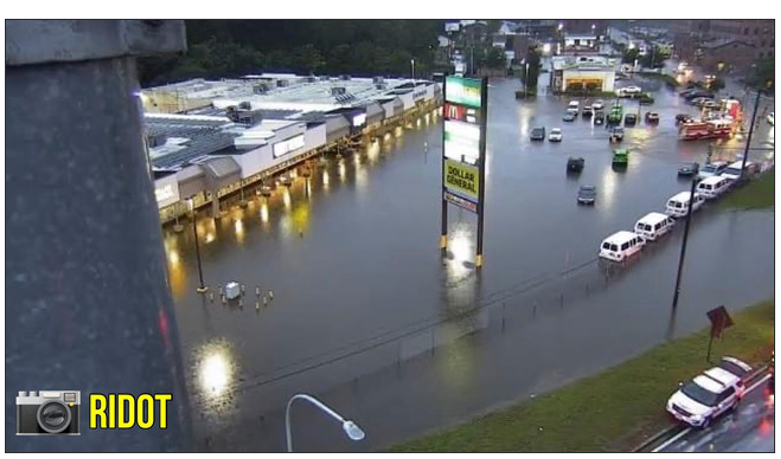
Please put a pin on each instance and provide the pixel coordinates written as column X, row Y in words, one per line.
column 210, row 139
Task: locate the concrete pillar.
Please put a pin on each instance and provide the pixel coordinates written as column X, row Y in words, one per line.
column 87, row 303
column 216, row 206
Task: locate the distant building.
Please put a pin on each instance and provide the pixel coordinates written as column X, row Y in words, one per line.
column 577, row 44
column 724, row 54
column 707, row 39
column 594, row 73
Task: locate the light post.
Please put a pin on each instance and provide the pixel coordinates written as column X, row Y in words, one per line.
column 750, row 133
column 350, row 428
column 683, row 244
column 412, row 62
column 202, row 288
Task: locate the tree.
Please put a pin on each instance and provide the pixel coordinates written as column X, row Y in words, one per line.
column 654, row 59
column 630, row 55
column 495, row 58
column 762, row 74
column 533, row 61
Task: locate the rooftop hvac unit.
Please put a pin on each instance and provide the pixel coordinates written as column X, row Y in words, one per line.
column 381, row 86
column 338, row 91
column 282, row 83
column 325, row 78
column 245, row 106
column 260, row 88
column 345, row 77
column 311, row 79
column 378, row 80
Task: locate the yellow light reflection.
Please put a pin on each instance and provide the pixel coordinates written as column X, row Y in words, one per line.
column 239, row 227
column 342, row 172
column 173, row 257
column 326, row 180
column 177, row 275
column 287, row 199
column 209, row 237
column 264, row 212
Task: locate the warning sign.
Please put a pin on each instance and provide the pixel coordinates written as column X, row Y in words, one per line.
column 462, row 179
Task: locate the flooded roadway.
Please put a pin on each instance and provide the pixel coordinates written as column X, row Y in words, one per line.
column 366, row 315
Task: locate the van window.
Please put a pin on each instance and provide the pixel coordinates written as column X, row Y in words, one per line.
column 658, row 226
column 606, row 245
column 624, row 246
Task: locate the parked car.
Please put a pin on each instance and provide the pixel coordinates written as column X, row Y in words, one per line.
column 599, row 118
column 715, row 168
column 555, row 135
column 538, row 133
column 587, row 194
column 569, row 116
column 698, row 94
column 652, row 118
column 575, row 164
column 707, row 396
column 629, row 91
column 617, row 134
column 688, row 169
column 588, row 112
column 598, row 105
column 646, row 99
column 630, row 119
column 710, row 105
column 683, row 118
column 699, row 101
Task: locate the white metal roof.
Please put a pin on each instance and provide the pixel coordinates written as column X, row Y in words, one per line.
column 620, row 237
column 722, row 375
column 653, row 218
column 683, row 196
column 712, row 180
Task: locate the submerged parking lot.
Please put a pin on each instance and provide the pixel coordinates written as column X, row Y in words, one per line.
column 366, row 315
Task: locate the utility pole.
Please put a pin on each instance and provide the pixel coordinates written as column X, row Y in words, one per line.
column 750, row 133
column 683, row 244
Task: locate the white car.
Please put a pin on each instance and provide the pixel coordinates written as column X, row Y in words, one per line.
column 710, row 394
column 628, row 91
column 555, row 135
column 598, row 105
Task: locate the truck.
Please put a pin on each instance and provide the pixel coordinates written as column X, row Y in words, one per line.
column 710, row 129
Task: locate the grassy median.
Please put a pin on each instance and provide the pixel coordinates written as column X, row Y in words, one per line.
column 755, row 195
column 612, row 411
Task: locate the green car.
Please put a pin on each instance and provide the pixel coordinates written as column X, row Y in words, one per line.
column 616, row 114
column 620, row 157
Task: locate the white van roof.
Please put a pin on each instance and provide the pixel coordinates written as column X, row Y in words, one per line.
column 683, row 196
column 738, row 165
column 620, row 237
column 653, row 218
column 712, row 180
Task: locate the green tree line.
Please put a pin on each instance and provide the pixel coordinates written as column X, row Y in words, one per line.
column 230, row 48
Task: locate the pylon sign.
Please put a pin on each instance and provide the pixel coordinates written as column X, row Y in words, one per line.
column 465, row 115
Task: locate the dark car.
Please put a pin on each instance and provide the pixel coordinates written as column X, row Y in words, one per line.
column 688, row 169
column 587, row 194
column 630, row 119
column 569, row 116
column 588, row 112
column 683, row 118
column 599, row 118
column 538, row 133
column 698, row 94
column 652, row 118
column 575, row 164
column 617, row 134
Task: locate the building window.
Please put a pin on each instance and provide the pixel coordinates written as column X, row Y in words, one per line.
column 745, row 31
column 756, row 31
column 763, row 43
column 761, row 54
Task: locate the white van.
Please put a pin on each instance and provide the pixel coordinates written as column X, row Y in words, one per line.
column 654, row 225
column 678, row 205
column 574, row 104
column 712, row 187
column 732, row 172
column 621, row 245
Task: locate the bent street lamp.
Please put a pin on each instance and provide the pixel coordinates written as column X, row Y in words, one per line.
column 350, row 428
column 202, row 288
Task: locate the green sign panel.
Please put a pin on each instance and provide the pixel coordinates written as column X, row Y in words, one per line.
column 464, row 91
column 462, row 179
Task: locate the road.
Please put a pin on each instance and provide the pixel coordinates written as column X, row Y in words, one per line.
column 750, row 428
column 367, row 315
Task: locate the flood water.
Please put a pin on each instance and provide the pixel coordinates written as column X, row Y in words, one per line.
column 367, row 315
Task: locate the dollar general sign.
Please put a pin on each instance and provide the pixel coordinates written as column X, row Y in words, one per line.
column 462, row 179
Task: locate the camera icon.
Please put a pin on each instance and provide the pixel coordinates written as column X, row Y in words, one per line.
column 48, row 412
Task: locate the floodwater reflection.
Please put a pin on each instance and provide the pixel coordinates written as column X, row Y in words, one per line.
column 215, row 370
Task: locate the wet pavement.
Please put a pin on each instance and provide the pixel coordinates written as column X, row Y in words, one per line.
column 366, row 315
column 750, row 428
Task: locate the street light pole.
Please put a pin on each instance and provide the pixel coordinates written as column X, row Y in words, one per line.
column 412, row 61
column 683, row 244
column 202, row 288
column 350, row 428
column 750, row 133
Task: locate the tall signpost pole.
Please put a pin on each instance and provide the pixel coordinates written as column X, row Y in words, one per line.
column 463, row 152
column 481, row 163
column 443, row 235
